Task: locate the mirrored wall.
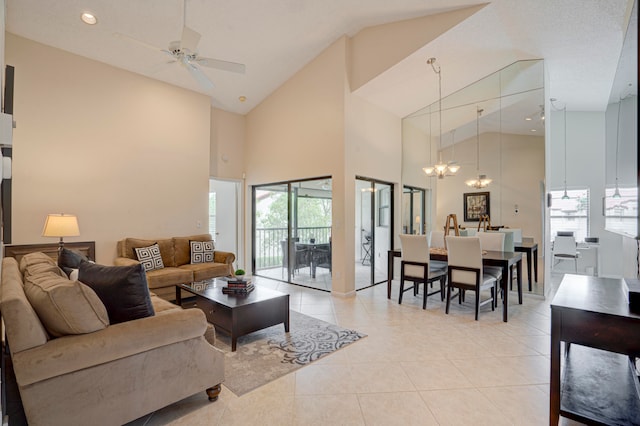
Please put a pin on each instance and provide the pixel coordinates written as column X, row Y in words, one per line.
column 504, row 141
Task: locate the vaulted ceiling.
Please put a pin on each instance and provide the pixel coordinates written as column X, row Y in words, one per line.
column 579, row 40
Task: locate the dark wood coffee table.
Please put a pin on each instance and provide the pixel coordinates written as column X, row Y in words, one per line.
column 237, row 315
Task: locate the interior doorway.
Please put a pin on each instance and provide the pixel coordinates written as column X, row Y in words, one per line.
column 374, row 230
column 225, row 207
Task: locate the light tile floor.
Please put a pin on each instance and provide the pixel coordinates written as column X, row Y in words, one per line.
column 416, row 366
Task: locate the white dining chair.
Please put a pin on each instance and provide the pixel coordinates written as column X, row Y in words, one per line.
column 492, row 241
column 564, row 248
column 466, row 272
column 415, row 267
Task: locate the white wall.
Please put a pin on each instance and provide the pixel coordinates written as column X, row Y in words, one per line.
column 516, row 165
column 585, row 168
column 127, row 154
column 227, row 144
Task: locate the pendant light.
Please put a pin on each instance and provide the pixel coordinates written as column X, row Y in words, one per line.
column 440, row 169
column 616, row 193
column 481, row 181
column 565, row 196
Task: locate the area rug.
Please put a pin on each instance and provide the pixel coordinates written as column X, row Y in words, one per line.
column 271, row 353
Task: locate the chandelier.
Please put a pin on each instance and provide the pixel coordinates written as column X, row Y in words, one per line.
column 440, row 169
column 482, row 180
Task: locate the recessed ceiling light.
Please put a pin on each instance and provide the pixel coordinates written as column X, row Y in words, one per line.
column 242, row 98
column 528, row 118
column 533, row 130
column 89, row 18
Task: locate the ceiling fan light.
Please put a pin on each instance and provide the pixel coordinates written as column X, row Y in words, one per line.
column 89, row 18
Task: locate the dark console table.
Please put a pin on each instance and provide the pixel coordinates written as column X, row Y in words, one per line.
column 597, row 384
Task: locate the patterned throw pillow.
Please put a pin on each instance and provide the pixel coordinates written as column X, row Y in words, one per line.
column 150, row 257
column 201, row 251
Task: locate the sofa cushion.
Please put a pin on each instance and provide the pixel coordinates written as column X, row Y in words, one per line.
column 64, row 306
column 150, row 257
column 70, row 259
column 183, row 247
column 39, row 268
column 168, row 277
column 166, row 249
column 201, row 251
column 33, row 259
column 204, row 271
column 122, row 289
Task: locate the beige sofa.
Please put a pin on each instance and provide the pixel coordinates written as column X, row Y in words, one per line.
column 176, row 257
column 110, row 376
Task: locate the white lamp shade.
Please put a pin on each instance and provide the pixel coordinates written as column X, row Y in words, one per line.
column 61, row 225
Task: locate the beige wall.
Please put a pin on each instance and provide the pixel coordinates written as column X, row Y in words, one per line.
column 127, row 154
column 516, row 165
column 298, row 132
column 227, row 144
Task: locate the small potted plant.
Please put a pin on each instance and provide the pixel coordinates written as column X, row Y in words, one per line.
column 240, row 274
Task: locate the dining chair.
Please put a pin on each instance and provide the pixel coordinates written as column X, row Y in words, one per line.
column 415, row 267
column 492, row 241
column 564, row 248
column 436, row 240
column 466, row 272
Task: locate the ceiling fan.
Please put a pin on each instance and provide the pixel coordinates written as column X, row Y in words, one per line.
column 185, row 53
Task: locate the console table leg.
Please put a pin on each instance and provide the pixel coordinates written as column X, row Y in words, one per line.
column 214, row 392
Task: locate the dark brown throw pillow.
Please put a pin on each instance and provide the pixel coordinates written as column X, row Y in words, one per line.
column 68, row 260
column 122, row 289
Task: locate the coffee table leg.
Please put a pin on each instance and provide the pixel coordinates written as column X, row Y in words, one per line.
column 178, row 296
column 234, row 340
column 286, row 323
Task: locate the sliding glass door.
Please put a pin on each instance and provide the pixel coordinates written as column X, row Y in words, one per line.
column 292, row 232
column 374, row 230
column 413, row 210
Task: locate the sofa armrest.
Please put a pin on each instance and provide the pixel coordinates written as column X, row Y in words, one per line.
column 223, row 257
column 72, row 353
column 124, row 261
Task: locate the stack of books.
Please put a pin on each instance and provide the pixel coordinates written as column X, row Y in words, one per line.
column 238, row 286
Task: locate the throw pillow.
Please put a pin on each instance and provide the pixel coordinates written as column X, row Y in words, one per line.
column 65, row 307
column 34, row 259
column 70, row 259
column 201, row 251
column 150, row 257
column 122, row 289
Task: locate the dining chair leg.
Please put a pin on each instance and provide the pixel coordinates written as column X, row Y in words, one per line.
column 401, row 286
column 424, row 298
column 443, row 283
column 494, row 304
column 446, row 310
column 478, row 303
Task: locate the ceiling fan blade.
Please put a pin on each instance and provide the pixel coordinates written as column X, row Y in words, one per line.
column 198, row 75
column 189, row 40
column 135, row 40
column 221, row 65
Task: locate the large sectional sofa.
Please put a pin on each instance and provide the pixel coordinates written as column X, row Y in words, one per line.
column 177, row 261
column 109, row 376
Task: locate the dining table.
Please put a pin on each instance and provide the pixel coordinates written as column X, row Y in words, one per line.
column 530, row 248
column 503, row 259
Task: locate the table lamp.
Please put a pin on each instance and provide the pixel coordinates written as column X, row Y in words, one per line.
column 61, row 225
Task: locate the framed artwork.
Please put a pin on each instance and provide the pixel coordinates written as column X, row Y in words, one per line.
column 476, row 204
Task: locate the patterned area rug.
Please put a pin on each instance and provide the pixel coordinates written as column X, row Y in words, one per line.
column 267, row 354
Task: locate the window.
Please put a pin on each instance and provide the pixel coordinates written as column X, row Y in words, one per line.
column 212, row 214
column 384, row 214
column 570, row 215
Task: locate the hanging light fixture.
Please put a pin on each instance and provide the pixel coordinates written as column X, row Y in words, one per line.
column 565, row 196
column 616, row 193
column 481, row 181
column 440, row 169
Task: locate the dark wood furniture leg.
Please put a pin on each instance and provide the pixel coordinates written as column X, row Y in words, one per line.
column 519, row 279
column 390, row 256
column 535, row 265
column 505, row 288
column 529, row 266
column 178, row 296
column 554, row 380
column 214, row 392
